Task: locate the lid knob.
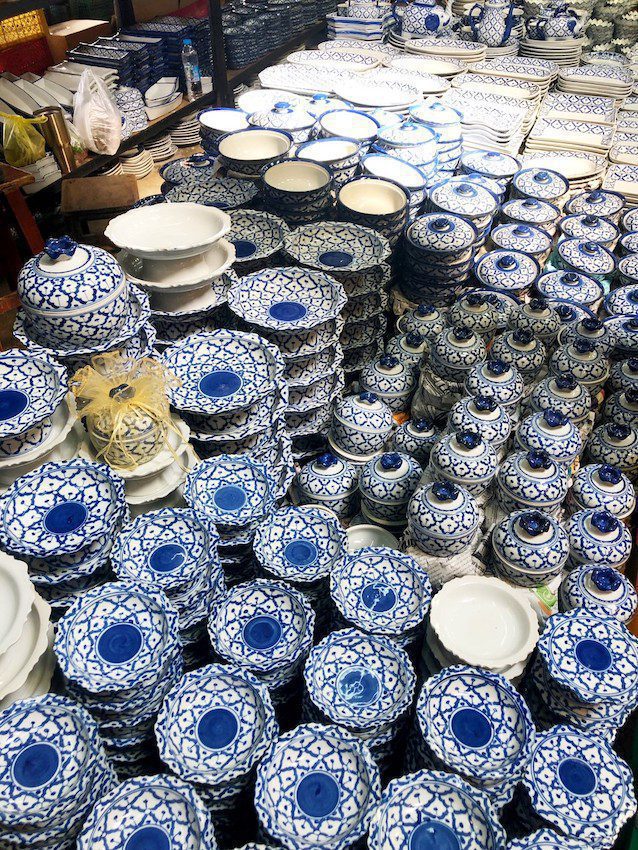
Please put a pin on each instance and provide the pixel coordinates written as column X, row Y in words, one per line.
column 534, row 523
column 484, row 403
column 424, row 310
column 606, row 579
column 413, row 339
column 590, row 220
column 507, row 263
column 632, row 395
column 594, row 197
column 62, row 246
column 422, row 425
column 281, row 106
column 542, row 177
column 474, row 299
column 565, row 382
column 391, row 460
column 461, row 333
column 523, row 336
column 538, row 459
column 591, row 325
column 537, row 305
column 445, row 492
column 554, row 419
column 468, row 439
column 590, row 248
column 326, row 460
column 609, row 474
column 604, row 521
column 565, row 313
column 522, row 230
column 389, row 361
column 583, row 346
column 441, row 225
column 497, row 367
column 570, row 277
column 618, row 431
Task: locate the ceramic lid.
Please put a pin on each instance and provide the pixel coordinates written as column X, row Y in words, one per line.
column 484, row 415
column 407, row 134
column 498, row 379
column 521, row 237
column 320, row 103
column 411, row 343
column 464, row 456
column 420, row 428
column 589, row 330
column 590, row 227
column 398, row 474
column 436, row 113
column 628, row 268
column 531, row 541
column 533, row 466
column 366, row 411
column 602, row 590
column 623, row 301
column 553, row 432
column 442, row 233
column 540, row 183
column 463, row 197
column 570, row 285
column 68, row 276
column 600, row 202
column 283, row 116
column 433, row 505
column 563, row 394
column 602, row 485
column 388, row 376
column 425, row 319
column 590, row 257
column 490, row 163
column 623, row 332
column 506, row 269
column 581, row 360
column 531, row 211
column 538, row 317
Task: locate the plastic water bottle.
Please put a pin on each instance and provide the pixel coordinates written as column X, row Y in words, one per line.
column 190, row 61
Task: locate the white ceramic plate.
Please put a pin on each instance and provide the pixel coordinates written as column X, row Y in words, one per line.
column 16, row 598
column 20, row 658
column 184, row 274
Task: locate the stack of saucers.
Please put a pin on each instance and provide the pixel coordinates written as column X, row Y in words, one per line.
column 186, row 132
column 265, row 627
column 62, row 519
column 301, row 546
column 118, row 649
column 356, row 257
column 53, row 769
column 214, row 727
column 586, row 671
column 258, row 238
column 284, row 304
column 446, row 123
column 473, row 723
column 175, row 551
column 362, row 683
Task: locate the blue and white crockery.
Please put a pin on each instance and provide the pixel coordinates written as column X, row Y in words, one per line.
column 522, row 237
column 194, row 168
column 409, row 141
column 361, row 424
column 376, row 203
column 599, row 202
column 521, row 349
column 622, row 301
column 474, row 311
column 591, row 228
column 629, row 220
column 225, row 193
column 624, row 335
column 624, row 375
column 411, row 349
column 541, row 184
column 245, row 152
column 349, row 124
column 73, row 295
column 316, row 786
column 422, row 19
column 391, row 380
column 424, row 319
column 482, row 415
column 552, row 432
column 386, row 484
column 538, row 317
column 496, row 379
column 330, row 482
column 622, row 407
column 579, row 289
column 589, row 330
column 583, row 362
column 588, row 258
column 602, row 590
column 602, row 486
column 443, row 519
column 529, row 548
column 298, row 190
column 495, row 164
column 455, row 352
column 216, row 122
column 564, row 395
column 464, row 458
column 335, row 246
column 285, row 116
column 256, row 235
column 463, row 197
column 596, row 536
column 531, row 480
column 614, row 444
column 531, row 211
column 507, row 271
column 416, row 438
column 628, row 243
column 408, row 176
column 339, row 155
column 546, row 839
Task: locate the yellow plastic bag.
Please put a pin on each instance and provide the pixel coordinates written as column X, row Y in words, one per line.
column 22, row 143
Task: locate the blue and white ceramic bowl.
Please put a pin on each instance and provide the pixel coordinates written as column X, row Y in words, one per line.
column 538, row 317
column 225, row 193
column 521, row 349
column 392, row 381
column 443, row 519
column 361, row 424
column 416, row 438
column 495, row 164
column 591, row 228
column 574, row 288
column 32, row 387
column 602, row 486
column 285, row 116
column 383, row 592
column 496, row 379
column 540, row 183
column 529, row 548
column 194, row 168
column 614, row 444
column 600, row 202
column 298, row 190
column 464, row 458
column 340, row 155
column 553, row 432
column 596, row 536
column 317, row 786
column 349, row 124
column 547, row 839
column 330, row 482
column 484, row 416
column 583, row 362
column 386, row 485
column 424, row 319
column 411, row 349
column 624, row 375
column 622, row 301
column 588, row 330
column 588, row 258
column 531, row 211
column 601, row 590
column 622, row 407
column 531, row 480
column 245, row 152
column 564, row 395
column 522, row 237
column 256, row 235
column 334, row 246
column 455, row 352
column 214, row 123
column 474, row 311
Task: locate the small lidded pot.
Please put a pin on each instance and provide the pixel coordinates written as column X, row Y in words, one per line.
column 624, row 375
column 455, row 352
column 391, row 380
column 330, row 482
column 589, row 330
column 601, row 590
column 588, row 258
column 443, row 519
column 602, row 486
column 483, row 415
column 73, row 295
column 571, row 287
column 411, row 348
column 521, row 349
column 615, row 444
column 531, row 211
column 499, row 380
column 507, row 271
column 598, row 537
column 542, row 184
column 551, row 432
column 593, row 228
column 522, row 237
column 361, row 424
column 622, row 407
column 464, row 458
column 531, row 480
column 285, row 116
column 475, row 312
column 563, row 394
column 425, row 319
column 537, row 317
column 529, row 548
column 387, row 484
column 415, row 437
column 581, row 361
column 600, row 202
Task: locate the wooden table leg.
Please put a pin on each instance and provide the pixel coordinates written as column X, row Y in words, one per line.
column 25, row 221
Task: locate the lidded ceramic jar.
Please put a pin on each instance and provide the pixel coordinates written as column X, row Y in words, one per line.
column 443, row 519
column 588, row 258
column 483, row 415
column 391, row 380
column 445, row 121
column 497, row 379
column 541, row 184
column 415, row 437
column 589, row 330
column 592, row 228
column 387, row 484
column 537, row 317
column 598, row 537
column 600, row 202
column 463, row 197
column 552, row 432
column 622, row 407
column 521, row 349
column 572, row 287
column 424, row 319
column 361, row 424
column 531, row 211
column 529, row 548
column 531, row 480
column 329, row 481
column 624, row 375
column 285, row 116
column 494, row 164
column 320, row 103
column 410, row 141
column 563, row 394
column 474, row 311
column 411, row 348
column 466, row 459
column 615, row 444
column 73, row 295
column 624, row 335
column 507, row 271
column 623, row 301
column 581, row 361
column 601, row 590
column 455, row 352
column 522, row 237
column 600, row 485
column 629, row 243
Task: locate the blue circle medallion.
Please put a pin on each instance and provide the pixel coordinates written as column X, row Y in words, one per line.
column 317, row 794
column 12, row 403
column 262, row 632
column 377, row 596
column 229, row 498
column 220, row 384
column 65, row 517
column 287, row 311
column 148, row 838
column 167, row 557
column 244, row 248
column 119, row 643
column 577, row 777
column 358, row 686
column 217, row 728
column 301, row 553
column 471, row 727
column 336, row 259
column 36, row 765
column 593, row 655
column 433, row 835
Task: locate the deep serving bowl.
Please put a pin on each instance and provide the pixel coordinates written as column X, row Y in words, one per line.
column 246, row 152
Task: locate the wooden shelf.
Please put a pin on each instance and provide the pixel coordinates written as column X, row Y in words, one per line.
column 19, row 7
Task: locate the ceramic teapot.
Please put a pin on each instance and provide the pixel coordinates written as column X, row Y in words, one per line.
column 422, row 18
column 559, row 23
column 492, row 22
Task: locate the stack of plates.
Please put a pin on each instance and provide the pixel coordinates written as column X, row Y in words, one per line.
column 564, row 52
column 623, row 179
column 366, row 29
column 583, row 170
column 394, row 96
column 489, row 121
column 425, row 83
column 186, row 132
column 509, row 49
column 581, row 107
column 539, row 71
column 302, row 79
column 131, row 104
column 445, row 47
column 335, row 60
column 527, row 92
column 429, row 64
column 45, row 172
column 607, row 80
column 137, row 161
column 561, row 134
column 161, row 148
column 113, row 169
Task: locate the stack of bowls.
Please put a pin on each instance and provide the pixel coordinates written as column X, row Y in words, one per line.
column 376, row 203
column 175, row 551
column 213, row 728
column 473, row 723
column 466, row 459
column 597, row 536
column 235, row 494
column 446, row 123
column 258, row 238
column 360, row 426
column 443, row 519
column 61, row 519
column 118, row 649
column 410, row 142
column 438, row 252
column 339, row 155
column 531, row 480
column 217, row 122
column 484, row 416
column 53, row 769
column 298, row 190
column 176, row 253
column 245, row 153
column 381, row 592
column 300, row 546
column 529, row 548
column 467, row 198
column 361, row 683
column 356, row 257
column 297, row 310
column 600, row 485
column 265, row 627
column 286, row 116
column 392, row 380
column 408, row 176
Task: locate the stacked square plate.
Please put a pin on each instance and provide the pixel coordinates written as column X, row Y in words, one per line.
column 606, row 80
column 539, row 71
column 445, row 47
column 493, row 122
column 564, row 52
column 562, row 134
column 623, row 179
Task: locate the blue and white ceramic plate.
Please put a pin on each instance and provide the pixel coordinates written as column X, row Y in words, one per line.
column 316, row 787
column 578, row 784
column 287, row 298
column 359, row 681
column 300, row 544
column 222, row 371
column 547, row 839
column 31, row 389
column 594, row 657
column 151, row 812
column 191, row 168
column 221, row 192
column 256, row 235
column 116, row 637
column 381, row 591
column 334, row 246
column 434, row 809
column 476, row 723
column 230, row 490
column 262, row 625
column 61, row 507
column 215, row 725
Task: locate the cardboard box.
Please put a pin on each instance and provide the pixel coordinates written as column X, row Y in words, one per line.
column 67, row 35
